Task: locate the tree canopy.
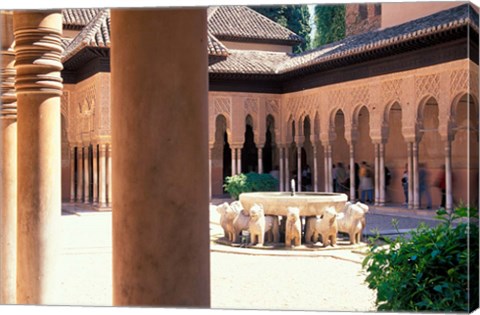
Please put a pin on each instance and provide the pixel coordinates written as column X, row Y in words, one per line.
column 329, row 23
column 294, row 17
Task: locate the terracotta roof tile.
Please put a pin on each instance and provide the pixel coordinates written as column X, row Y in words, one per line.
column 249, row 62
column 215, row 47
column 243, row 23
column 78, row 18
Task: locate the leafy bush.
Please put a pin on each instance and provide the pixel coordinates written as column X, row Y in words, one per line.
column 435, row 269
column 240, row 183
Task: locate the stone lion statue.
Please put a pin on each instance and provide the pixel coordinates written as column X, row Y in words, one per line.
column 327, row 226
column 261, row 225
column 353, row 221
column 240, row 223
column 311, row 231
column 227, row 216
column 293, row 227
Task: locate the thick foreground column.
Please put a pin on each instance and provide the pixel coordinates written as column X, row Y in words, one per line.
column 39, row 87
column 160, row 167
column 8, row 184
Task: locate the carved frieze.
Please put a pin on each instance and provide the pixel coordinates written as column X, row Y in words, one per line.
column 222, row 106
column 391, row 91
column 427, row 85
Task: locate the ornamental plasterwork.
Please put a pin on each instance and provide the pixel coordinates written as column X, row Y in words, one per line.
column 222, row 106
column 474, row 83
column 105, row 121
column 458, row 81
column 251, row 107
column 337, row 98
column 272, row 107
column 427, row 85
column 65, row 101
column 391, row 91
column 360, row 95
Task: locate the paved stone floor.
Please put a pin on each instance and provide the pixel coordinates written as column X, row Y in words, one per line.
column 322, row 281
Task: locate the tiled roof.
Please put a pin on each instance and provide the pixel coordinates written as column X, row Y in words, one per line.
column 215, row 47
column 78, row 18
column 442, row 21
column 243, row 23
column 95, row 34
column 249, row 62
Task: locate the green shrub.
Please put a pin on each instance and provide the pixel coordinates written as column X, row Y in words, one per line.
column 435, row 269
column 240, row 183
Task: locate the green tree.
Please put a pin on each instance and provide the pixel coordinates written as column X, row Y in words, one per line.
column 329, row 24
column 294, row 17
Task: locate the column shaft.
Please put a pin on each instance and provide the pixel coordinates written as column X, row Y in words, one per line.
column 377, row 174
column 239, row 160
column 234, row 161
column 260, row 162
column 86, row 172
column 79, row 174
column 325, row 162
column 287, row 171
column 154, row 262
column 329, row 169
column 8, row 184
column 315, row 169
column 102, row 180
column 416, row 188
column 72, row 174
column 299, row 168
column 410, row 174
column 95, row 174
column 448, row 176
column 352, row 172
column 381, row 199
column 281, row 166
column 109, row 176
column 39, row 88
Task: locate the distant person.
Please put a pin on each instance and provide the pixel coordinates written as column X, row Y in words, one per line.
column 441, row 184
column 334, row 178
column 423, row 185
column 307, row 178
column 366, row 183
column 357, row 180
column 405, row 183
column 341, row 177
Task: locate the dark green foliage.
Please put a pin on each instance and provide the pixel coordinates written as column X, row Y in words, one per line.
column 294, row 17
column 435, row 269
column 237, row 184
column 330, row 24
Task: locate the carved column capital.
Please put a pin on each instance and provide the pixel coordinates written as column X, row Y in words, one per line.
column 38, row 52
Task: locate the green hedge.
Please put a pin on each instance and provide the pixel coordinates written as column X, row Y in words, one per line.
column 434, row 269
column 240, row 183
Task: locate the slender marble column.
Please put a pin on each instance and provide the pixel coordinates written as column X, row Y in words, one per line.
column 86, row 171
column 39, row 88
column 377, row 174
column 329, row 169
column 448, row 175
column 95, row 174
column 72, row 174
column 8, row 183
column 79, row 174
column 239, row 160
column 282, row 171
column 299, row 167
column 416, row 188
column 287, row 170
column 234, row 161
column 109, row 176
column 315, row 169
column 410, row 174
column 381, row 200
column 154, row 262
column 352, row 172
column 325, row 159
column 260, row 162
column 102, row 180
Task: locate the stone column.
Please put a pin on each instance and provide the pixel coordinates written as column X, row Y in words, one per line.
column 79, row 174
column 239, row 160
column 109, row 176
column 102, row 178
column 287, row 170
column 352, row 172
column 210, row 149
column 282, row 171
column 410, row 174
column 72, row 174
column 381, row 152
column 86, row 176
column 39, row 88
column 234, row 161
column 95, row 174
column 448, row 175
column 377, row 174
column 154, row 263
column 299, row 167
column 260, row 162
column 416, row 191
column 329, row 169
column 325, row 159
column 315, row 169
column 8, row 183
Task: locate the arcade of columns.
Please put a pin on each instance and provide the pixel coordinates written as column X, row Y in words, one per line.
column 411, row 92
column 147, row 270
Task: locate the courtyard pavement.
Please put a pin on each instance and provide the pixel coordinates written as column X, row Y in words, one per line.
column 327, row 280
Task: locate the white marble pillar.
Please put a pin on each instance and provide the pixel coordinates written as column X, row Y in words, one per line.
column 234, row 161
column 315, row 169
column 410, row 174
column 86, row 174
column 281, row 166
column 260, row 160
column 352, row 172
column 72, row 174
column 239, row 160
column 109, row 175
column 326, row 167
column 95, row 173
column 416, row 188
column 287, row 170
column 381, row 152
column 154, row 264
column 79, row 174
column 448, row 176
column 329, row 169
column 102, row 178
column 38, row 50
column 8, row 182
column 377, row 174
column 299, row 167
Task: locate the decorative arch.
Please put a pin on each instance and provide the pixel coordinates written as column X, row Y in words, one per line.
column 428, row 99
column 455, row 103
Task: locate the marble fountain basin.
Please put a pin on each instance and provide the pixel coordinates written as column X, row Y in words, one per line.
column 309, row 203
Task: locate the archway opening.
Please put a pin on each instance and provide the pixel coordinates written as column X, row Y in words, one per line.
column 221, row 156
column 268, row 153
column 340, row 151
column 249, row 150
